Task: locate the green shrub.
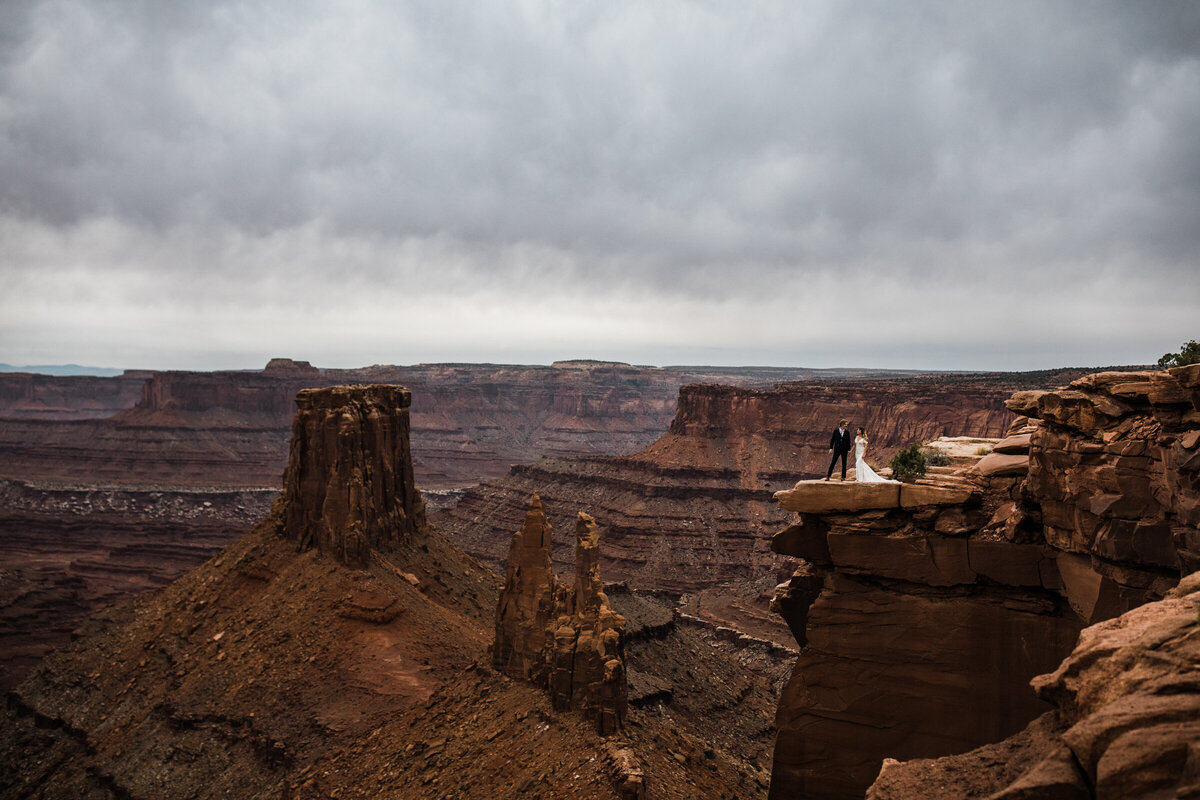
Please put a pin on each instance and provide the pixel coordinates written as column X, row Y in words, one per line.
column 1188, row 354
column 908, row 464
column 935, row 457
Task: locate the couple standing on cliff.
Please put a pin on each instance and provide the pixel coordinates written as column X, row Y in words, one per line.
column 839, row 446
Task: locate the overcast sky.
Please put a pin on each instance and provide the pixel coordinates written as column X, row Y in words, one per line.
column 1009, row 185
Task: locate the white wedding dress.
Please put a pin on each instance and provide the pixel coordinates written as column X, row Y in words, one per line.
column 862, row 471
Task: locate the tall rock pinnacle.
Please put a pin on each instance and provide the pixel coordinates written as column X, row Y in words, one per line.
column 563, row 638
column 348, row 486
column 527, row 604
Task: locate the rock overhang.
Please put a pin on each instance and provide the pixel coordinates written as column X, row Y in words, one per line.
column 831, row 497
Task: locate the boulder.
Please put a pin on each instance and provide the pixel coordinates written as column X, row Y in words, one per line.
column 834, row 497
column 1000, row 464
column 1018, row 443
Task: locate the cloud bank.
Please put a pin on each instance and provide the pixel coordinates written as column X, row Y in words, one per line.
column 927, row 185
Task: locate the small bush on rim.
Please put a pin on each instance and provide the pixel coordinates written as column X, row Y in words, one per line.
column 935, row 457
column 1188, row 354
column 908, row 464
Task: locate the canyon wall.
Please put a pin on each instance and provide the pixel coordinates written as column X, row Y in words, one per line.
column 282, row 668
column 693, row 510
column 55, row 397
column 1124, row 721
column 924, row 610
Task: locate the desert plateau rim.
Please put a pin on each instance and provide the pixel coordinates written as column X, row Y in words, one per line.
column 346, row 647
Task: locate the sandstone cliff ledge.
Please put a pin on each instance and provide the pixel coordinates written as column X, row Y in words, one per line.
column 923, row 623
column 349, row 484
column 565, row 638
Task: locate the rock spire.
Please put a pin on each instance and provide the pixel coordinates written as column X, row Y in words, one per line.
column 564, row 638
column 348, row 486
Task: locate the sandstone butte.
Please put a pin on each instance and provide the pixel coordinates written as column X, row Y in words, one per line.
column 925, row 610
column 341, row 649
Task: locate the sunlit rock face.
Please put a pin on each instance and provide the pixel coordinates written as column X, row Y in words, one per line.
column 349, row 486
column 923, row 623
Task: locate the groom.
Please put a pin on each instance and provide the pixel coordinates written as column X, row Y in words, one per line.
column 840, row 445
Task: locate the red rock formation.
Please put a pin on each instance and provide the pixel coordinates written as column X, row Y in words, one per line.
column 349, row 485
column 1114, row 484
column 694, row 508
column 68, row 551
column 219, row 433
column 275, row 671
column 907, row 613
column 920, row 629
column 1125, row 723
column 527, row 604
column 565, row 638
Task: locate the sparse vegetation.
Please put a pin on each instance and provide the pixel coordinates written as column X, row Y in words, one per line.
column 1188, row 354
column 908, row 464
column 935, row 457
column 983, row 451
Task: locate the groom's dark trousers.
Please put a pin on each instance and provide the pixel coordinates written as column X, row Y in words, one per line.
column 840, row 445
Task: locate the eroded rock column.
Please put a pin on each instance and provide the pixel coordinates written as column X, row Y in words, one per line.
column 348, row 486
column 564, row 638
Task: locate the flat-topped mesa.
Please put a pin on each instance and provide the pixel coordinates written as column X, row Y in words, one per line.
column 348, row 486
column 563, row 638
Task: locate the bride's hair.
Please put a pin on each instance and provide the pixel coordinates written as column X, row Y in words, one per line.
column 861, row 432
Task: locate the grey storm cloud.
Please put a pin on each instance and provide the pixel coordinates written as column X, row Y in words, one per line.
column 705, row 149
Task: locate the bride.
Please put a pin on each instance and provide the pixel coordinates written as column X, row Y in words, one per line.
column 862, row 471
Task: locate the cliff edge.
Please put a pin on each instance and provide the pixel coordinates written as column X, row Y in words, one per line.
column 925, row 609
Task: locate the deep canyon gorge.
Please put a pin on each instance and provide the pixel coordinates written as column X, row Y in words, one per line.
column 346, row 643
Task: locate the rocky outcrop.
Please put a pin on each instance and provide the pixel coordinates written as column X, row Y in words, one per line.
column 1114, row 478
column 920, row 628
column 1125, row 722
column 565, row 638
column 348, row 487
column 1083, row 511
column 693, row 510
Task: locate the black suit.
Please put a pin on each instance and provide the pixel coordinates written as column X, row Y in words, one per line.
column 840, row 444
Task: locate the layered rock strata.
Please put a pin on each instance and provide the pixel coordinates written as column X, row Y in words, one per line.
column 1125, row 721
column 52, row 397
column 349, row 487
column 694, row 510
column 923, row 621
column 565, row 638
column 919, row 632
column 1114, row 479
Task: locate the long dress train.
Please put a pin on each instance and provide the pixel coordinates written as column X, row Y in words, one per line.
column 862, row 470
